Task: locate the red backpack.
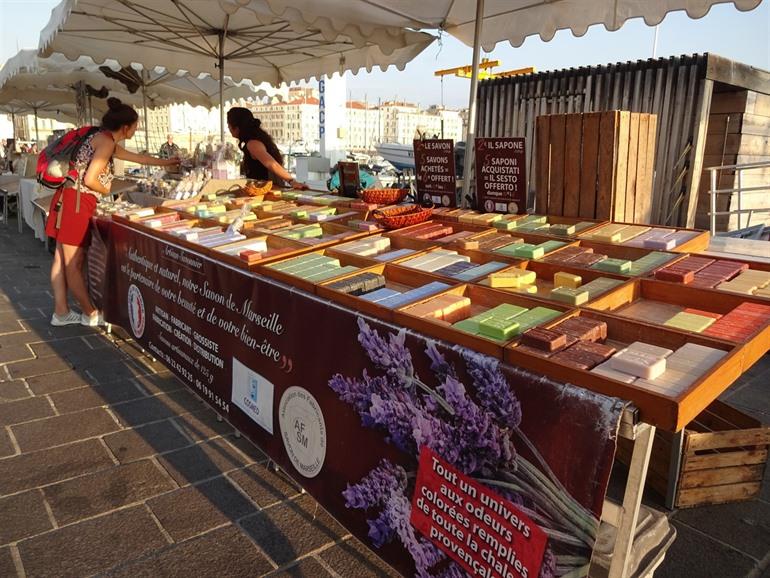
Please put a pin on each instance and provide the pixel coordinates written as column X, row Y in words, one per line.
column 56, row 164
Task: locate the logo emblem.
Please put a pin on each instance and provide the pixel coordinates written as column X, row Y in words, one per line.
column 253, row 394
column 136, row 312
column 303, row 430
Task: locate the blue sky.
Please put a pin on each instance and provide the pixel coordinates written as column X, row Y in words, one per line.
column 726, row 31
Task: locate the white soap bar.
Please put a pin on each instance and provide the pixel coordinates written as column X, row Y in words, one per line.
column 639, row 364
column 607, row 371
column 655, row 350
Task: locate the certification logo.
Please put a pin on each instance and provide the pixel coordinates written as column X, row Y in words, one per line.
column 253, row 394
column 136, row 313
column 303, row 431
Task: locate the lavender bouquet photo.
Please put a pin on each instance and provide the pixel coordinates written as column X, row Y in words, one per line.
column 475, row 433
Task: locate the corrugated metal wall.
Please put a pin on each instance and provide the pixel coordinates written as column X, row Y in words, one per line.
column 675, row 89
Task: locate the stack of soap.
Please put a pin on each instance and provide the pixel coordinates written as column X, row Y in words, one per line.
column 312, row 267
column 740, row 323
column 257, row 244
column 609, row 233
column 684, row 270
column 569, row 295
column 497, row 323
column 584, row 354
column 607, row 370
column 563, row 230
column 583, row 328
column 363, row 225
column 393, row 299
column 613, row 265
column 586, row 259
column 638, row 362
column 528, row 251
column 449, row 308
column 483, row 219
column 368, row 247
column 536, row 316
column 718, row 272
column 550, row 246
column 455, row 236
column 359, row 284
column 425, row 231
column 393, row 255
column 434, row 260
column 690, row 322
column 494, row 241
column 478, row 271
column 512, row 278
column 683, row 368
column 562, row 279
column 749, row 282
column 566, row 254
column 650, row 262
column 599, row 286
column 545, row 340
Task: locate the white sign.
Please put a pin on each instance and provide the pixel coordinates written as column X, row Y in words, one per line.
column 136, row 312
column 303, row 430
column 253, row 394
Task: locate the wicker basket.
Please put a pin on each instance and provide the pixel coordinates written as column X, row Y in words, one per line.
column 257, row 188
column 402, row 216
column 383, row 196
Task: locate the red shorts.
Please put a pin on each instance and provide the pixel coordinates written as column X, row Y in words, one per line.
column 74, row 226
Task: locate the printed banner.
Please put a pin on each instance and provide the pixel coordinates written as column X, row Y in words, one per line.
column 501, row 178
column 434, row 162
column 345, row 404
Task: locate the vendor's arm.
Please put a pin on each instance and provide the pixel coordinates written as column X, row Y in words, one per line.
column 103, row 150
column 258, row 151
column 124, row 155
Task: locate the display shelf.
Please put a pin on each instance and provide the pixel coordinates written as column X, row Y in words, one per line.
column 695, row 240
column 482, row 299
column 545, row 274
column 670, row 299
column 396, row 278
column 671, row 412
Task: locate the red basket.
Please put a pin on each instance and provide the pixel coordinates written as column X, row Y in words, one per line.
column 383, row 196
column 403, row 216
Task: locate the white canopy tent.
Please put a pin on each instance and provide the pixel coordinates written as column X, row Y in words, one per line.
column 217, row 37
column 482, row 23
column 27, row 71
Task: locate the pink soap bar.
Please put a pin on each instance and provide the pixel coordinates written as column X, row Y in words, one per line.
column 638, row 363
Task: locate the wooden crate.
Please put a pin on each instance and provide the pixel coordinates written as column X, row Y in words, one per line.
column 724, row 454
column 596, row 165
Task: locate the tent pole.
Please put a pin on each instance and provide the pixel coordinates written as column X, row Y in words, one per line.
column 146, row 121
column 471, row 132
column 37, row 132
column 222, row 87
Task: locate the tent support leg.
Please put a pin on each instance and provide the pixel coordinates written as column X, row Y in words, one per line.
column 222, row 87
column 471, row 132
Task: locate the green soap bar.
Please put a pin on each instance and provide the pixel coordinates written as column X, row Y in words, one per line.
column 499, row 329
column 505, row 225
column 509, row 250
column 330, row 272
column 534, row 219
column 690, row 322
column 293, row 234
column 506, row 311
column 468, row 325
column 600, row 285
column 311, row 234
column 529, row 251
column 613, row 265
column 536, row 316
column 650, row 261
column 549, row 246
column 583, row 225
column 303, row 267
column 299, row 214
column 563, row 229
column 570, row 295
column 283, row 265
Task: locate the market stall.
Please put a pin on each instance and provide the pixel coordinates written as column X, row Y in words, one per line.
column 412, row 337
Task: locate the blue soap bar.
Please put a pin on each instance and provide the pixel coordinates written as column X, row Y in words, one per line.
column 390, row 255
column 379, row 295
column 481, row 270
column 414, row 294
column 454, row 269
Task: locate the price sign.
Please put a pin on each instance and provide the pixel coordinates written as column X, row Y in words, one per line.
column 501, row 178
column 435, row 172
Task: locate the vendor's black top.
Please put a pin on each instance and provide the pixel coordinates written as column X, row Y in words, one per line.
column 252, row 168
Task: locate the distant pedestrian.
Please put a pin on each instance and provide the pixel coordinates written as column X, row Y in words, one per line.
column 168, row 150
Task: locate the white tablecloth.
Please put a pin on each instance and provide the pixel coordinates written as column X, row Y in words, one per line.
column 29, row 190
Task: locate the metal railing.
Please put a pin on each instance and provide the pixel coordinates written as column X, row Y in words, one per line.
column 739, row 191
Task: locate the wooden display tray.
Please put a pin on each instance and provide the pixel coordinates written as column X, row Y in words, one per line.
column 527, row 237
column 272, row 243
column 724, row 454
column 544, row 283
column 717, row 293
column 699, row 242
column 298, row 282
column 396, row 243
column 396, row 278
column 476, row 257
column 420, row 244
column 668, row 412
column 482, row 298
column 550, row 219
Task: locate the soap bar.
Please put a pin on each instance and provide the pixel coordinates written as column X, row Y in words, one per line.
column 536, row 316
column 499, row 328
column 393, row 255
column 690, row 322
column 605, row 370
column 675, row 276
column 613, row 265
column 600, row 351
column 648, row 348
column 544, row 339
column 563, row 229
column 379, row 295
column 414, row 295
column 550, row 246
column 583, row 328
column 562, row 279
column 512, row 278
column 568, row 295
column 600, row 285
column 638, row 363
column 529, row 251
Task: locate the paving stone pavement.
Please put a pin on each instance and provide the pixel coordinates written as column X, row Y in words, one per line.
column 110, row 466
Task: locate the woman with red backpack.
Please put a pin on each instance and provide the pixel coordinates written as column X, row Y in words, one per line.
column 74, row 204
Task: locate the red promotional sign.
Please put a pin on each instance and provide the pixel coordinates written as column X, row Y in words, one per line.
column 350, row 180
column 501, row 175
column 434, row 162
column 482, row 531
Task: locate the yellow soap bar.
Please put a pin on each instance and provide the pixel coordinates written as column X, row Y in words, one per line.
column 512, row 278
column 528, row 289
column 562, row 279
